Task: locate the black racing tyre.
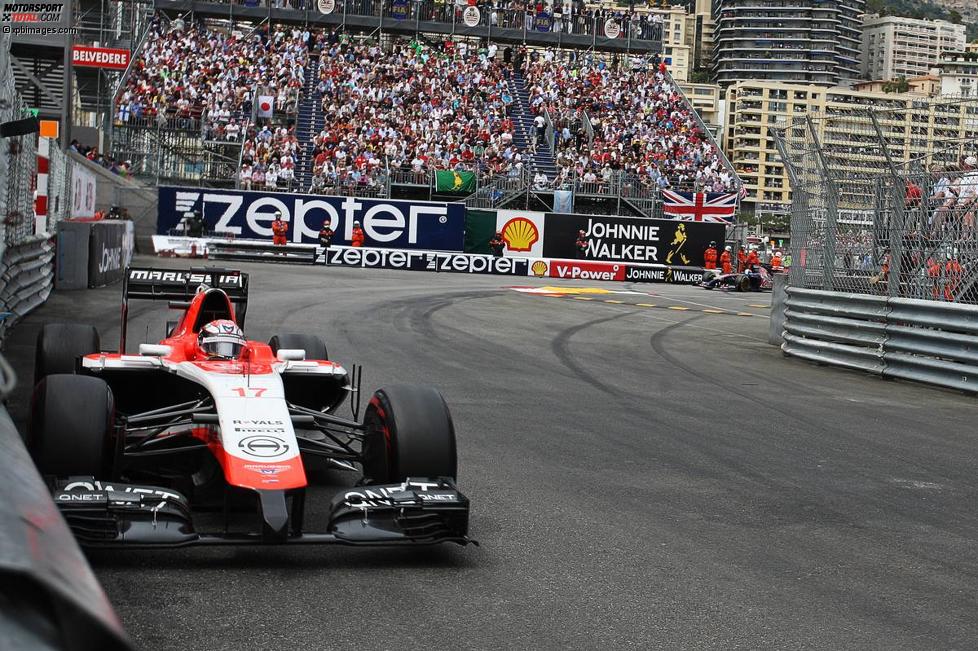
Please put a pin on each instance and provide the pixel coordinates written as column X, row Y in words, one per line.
column 314, row 346
column 409, row 434
column 59, row 345
column 743, row 284
column 71, row 425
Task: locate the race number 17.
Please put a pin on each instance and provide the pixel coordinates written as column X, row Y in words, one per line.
column 249, row 392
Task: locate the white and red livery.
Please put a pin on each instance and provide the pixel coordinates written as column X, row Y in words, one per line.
column 137, row 443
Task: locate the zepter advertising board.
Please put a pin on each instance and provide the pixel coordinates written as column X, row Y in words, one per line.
column 387, row 223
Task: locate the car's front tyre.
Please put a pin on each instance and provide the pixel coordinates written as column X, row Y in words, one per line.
column 71, row 426
column 410, row 433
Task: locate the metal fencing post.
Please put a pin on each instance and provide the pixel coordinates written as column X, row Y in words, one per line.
column 831, row 194
column 898, row 220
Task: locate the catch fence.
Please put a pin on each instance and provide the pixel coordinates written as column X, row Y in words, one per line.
column 885, row 199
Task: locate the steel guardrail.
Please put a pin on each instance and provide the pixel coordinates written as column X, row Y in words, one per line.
column 26, row 279
column 911, row 339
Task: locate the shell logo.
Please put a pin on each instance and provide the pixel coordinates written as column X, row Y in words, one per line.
column 520, row 234
column 539, row 268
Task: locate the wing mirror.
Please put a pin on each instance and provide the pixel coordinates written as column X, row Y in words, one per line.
column 290, row 354
column 154, row 350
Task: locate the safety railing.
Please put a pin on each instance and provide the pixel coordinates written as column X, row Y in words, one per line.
column 605, row 26
column 911, row 339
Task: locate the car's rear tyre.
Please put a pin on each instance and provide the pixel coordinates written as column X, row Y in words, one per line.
column 59, row 345
column 409, row 434
column 314, row 346
column 71, row 425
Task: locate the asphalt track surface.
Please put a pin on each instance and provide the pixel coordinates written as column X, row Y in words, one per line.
column 640, row 478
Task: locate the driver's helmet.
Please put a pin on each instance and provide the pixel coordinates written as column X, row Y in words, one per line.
column 222, row 339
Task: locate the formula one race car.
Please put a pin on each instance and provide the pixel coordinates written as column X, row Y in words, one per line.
column 151, row 449
column 755, row 279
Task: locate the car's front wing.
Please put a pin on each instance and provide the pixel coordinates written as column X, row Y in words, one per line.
column 416, row 512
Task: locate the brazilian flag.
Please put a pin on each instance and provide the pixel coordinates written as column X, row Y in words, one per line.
column 452, row 181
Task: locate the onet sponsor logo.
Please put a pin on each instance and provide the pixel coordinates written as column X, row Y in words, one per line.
column 387, row 495
column 31, row 12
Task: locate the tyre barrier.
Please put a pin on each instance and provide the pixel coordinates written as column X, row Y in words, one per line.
column 910, row 339
column 50, row 597
column 26, row 279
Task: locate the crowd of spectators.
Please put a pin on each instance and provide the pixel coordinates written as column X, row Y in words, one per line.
column 120, row 167
column 953, row 200
column 269, row 157
column 412, row 110
column 641, row 123
column 190, row 73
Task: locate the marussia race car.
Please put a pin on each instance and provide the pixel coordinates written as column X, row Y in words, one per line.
column 142, row 448
column 756, row 279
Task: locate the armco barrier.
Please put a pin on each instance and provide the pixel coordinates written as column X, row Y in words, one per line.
column 245, row 251
column 26, row 278
column 933, row 342
column 910, row 339
column 50, row 597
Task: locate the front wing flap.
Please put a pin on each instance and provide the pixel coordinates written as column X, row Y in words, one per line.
column 419, row 511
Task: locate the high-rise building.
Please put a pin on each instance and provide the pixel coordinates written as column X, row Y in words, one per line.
column 915, row 127
column 894, row 46
column 800, row 41
column 959, row 74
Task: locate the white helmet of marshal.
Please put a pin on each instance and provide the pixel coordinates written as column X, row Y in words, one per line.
column 222, row 338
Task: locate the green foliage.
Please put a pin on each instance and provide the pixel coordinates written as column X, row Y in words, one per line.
column 898, row 85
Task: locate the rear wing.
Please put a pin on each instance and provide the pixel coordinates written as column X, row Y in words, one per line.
column 178, row 287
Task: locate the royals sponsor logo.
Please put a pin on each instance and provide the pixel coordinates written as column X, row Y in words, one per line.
column 386, row 223
column 539, row 269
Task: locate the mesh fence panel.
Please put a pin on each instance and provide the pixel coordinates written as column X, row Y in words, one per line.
column 884, row 199
column 18, row 161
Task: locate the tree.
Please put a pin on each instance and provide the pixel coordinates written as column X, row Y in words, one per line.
column 955, row 17
column 898, row 85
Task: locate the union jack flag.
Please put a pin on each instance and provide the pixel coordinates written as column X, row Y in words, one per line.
column 700, row 206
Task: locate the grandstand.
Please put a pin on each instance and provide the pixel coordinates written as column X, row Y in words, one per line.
column 332, row 109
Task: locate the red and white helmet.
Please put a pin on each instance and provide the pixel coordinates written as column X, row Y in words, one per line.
column 222, row 338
